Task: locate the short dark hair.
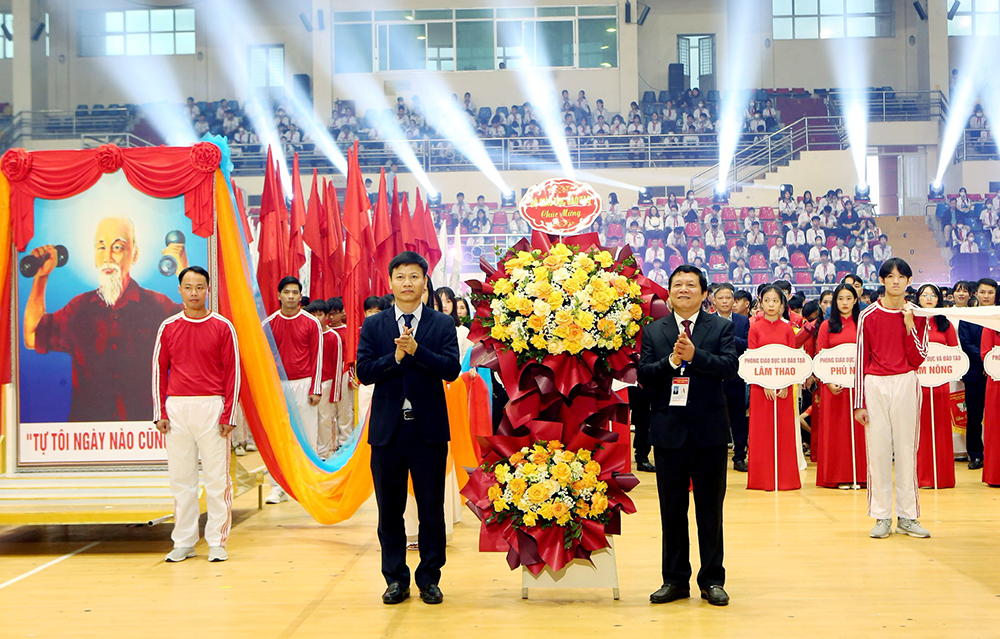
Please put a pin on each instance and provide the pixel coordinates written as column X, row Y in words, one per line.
column 725, row 286
column 897, row 263
column 194, row 269
column 987, row 281
column 743, row 295
column 374, row 301
column 408, row 257
column 336, row 304
column 318, row 306
column 785, row 286
column 690, row 268
column 289, row 279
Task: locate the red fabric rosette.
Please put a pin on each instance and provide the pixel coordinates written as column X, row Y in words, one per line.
column 16, row 164
column 109, row 158
column 563, row 397
column 535, row 547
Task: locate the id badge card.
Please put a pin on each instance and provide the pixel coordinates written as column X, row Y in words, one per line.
column 679, row 391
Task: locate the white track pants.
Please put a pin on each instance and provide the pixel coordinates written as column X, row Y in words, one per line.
column 893, row 403
column 308, row 415
column 345, row 412
column 327, row 423
column 194, row 430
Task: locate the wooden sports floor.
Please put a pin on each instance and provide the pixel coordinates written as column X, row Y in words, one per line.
column 800, row 564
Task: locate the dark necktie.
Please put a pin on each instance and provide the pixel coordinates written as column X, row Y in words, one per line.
column 408, row 320
column 687, row 327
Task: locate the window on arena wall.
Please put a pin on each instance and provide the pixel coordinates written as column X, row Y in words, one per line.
column 137, row 32
column 7, row 49
column 975, row 17
column 828, row 19
column 267, row 66
column 475, row 39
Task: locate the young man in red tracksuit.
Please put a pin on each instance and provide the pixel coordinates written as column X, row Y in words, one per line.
column 344, row 416
column 892, row 344
column 333, row 365
column 299, row 339
column 196, row 380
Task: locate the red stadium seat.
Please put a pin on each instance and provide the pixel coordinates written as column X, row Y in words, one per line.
column 771, row 242
column 731, row 226
column 499, row 222
column 728, row 213
column 675, row 261
column 803, row 277
column 703, row 202
column 731, row 242
column 798, row 260
column 841, row 275
column 760, row 278
column 975, row 197
column 692, row 229
column 770, row 227
column 744, row 212
column 720, row 278
column 616, row 230
column 716, row 261
column 757, row 261
column 766, row 213
column 831, row 241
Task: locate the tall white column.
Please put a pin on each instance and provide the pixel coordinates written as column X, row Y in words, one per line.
column 322, row 48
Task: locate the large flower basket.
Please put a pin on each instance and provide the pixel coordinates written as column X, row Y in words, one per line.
column 559, row 320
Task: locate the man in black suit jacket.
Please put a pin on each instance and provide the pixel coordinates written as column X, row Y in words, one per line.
column 970, row 337
column 407, row 352
column 736, row 388
column 695, row 350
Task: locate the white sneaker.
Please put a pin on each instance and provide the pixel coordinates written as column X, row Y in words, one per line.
column 240, row 450
column 251, row 447
column 217, row 553
column 912, row 528
column 882, row 529
column 276, row 496
column 178, row 555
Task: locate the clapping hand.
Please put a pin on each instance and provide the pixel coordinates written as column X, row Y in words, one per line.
column 684, row 348
column 405, row 344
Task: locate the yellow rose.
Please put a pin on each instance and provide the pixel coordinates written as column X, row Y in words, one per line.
column 525, row 306
column 604, row 258
column 574, row 333
column 582, row 509
column 571, row 286
column 538, row 341
column 592, row 467
column 553, row 261
column 554, row 445
column 537, row 493
column 616, row 342
column 632, row 329
column 560, row 250
column 554, row 347
column 541, row 273
column 541, row 307
column 529, row 518
column 588, row 342
column 517, row 458
column 518, row 486
column 585, row 320
column 543, row 290
column 501, row 471
column 494, row 492
column 562, row 473
column 584, row 263
column 545, row 511
column 563, row 316
column 528, row 468
column 560, row 512
column 512, row 302
column 500, row 506
column 634, row 290
column 519, row 345
column 606, row 327
column 503, row 287
column 574, row 347
column 599, row 503
column 589, row 480
column 635, row 311
column 555, row 299
column 536, row 323
column 540, row 457
column 498, row 332
column 583, row 455
column 563, row 457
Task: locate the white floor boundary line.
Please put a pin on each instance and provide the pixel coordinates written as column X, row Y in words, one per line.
column 33, row 571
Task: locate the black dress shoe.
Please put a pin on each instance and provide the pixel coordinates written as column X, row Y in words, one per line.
column 668, row 593
column 975, row 463
column 740, row 465
column 395, row 593
column 715, row 595
column 644, row 466
column 431, row 594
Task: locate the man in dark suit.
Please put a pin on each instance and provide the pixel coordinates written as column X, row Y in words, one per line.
column 970, row 337
column 736, row 388
column 685, row 358
column 407, row 351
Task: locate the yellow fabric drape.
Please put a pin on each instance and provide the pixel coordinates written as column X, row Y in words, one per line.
column 6, row 227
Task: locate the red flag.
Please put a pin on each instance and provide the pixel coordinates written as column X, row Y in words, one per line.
column 409, row 233
column 284, row 248
column 395, row 222
column 427, row 234
column 298, row 219
column 268, row 241
column 384, row 246
column 242, row 208
column 359, row 250
column 335, row 243
column 313, row 233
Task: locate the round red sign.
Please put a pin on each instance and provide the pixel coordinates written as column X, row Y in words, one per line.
column 560, row 206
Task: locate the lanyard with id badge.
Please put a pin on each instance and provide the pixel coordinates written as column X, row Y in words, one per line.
column 679, row 388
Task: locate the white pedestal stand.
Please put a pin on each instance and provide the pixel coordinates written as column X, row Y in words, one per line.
column 579, row 573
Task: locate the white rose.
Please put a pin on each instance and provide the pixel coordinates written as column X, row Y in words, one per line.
column 542, row 308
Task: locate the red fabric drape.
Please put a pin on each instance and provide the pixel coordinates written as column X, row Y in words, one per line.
column 157, row 171
column 384, row 246
column 335, row 242
column 298, row 220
